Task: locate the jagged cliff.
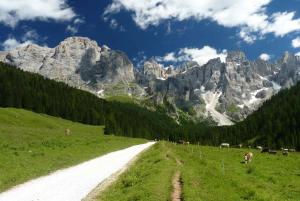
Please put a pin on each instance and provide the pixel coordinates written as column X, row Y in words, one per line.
column 78, row 61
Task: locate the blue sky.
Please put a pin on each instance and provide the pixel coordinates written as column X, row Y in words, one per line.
column 172, row 30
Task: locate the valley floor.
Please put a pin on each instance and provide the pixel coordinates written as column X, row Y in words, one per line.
column 33, row 145
column 207, row 174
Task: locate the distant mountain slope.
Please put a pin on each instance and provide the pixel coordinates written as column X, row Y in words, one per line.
column 239, row 86
column 276, row 123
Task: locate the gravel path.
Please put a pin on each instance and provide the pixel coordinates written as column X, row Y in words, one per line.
column 74, row 183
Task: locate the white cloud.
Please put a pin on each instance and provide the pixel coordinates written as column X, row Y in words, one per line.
column 298, row 54
column 140, row 59
column 30, row 35
column 265, row 57
column 12, row 43
column 169, row 28
column 201, row 56
column 282, row 24
column 296, row 42
column 250, row 16
column 122, row 29
column 113, row 24
column 247, row 36
column 170, row 57
column 74, row 27
column 13, row 11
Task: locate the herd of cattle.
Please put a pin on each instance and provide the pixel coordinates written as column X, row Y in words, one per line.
column 261, row 149
column 249, row 155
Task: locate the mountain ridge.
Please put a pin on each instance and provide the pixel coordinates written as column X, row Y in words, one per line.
column 224, row 91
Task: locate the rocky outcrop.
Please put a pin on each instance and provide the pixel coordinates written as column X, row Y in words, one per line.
column 2, row 55
column 289, row 73
column 153, row 70
column 28, row 58
column 77, row 61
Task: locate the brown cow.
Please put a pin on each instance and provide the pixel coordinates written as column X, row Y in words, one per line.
column 67, row 131
column 248, row 157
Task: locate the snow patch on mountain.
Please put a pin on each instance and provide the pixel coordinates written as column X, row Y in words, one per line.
column 211, row 100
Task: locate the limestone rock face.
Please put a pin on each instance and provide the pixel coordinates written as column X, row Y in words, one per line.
column 69, row 57
column 289, row 73
column 2, row 55
column 152, row 69
column 29, row 58
column 78, row 61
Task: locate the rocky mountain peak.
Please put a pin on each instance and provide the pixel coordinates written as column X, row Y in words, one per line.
column 77, row 48
column 286, row 57
column 77, row 61
column 214, row 61
column 76, row 40
column 236, row 56
column 187, row 65
column 289, row 70
column 105, row 48
column 153, row 69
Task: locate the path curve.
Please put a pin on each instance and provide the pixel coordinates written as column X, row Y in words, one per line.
column 74, row 183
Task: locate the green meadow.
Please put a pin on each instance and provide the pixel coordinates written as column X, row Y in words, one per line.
column 32, row 145
column 208, row 174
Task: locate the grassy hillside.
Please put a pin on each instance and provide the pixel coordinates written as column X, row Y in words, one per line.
column 31, row 91
column 208, row 174
column 33, row 144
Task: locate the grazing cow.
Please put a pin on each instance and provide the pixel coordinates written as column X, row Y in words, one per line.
column 224, row 145
column 272, row 151
column 67, row 131
column 264, row 149
column 248, row 157
column 292, row 150
column 184, row 142
column 260, row 148
column 285, row 152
